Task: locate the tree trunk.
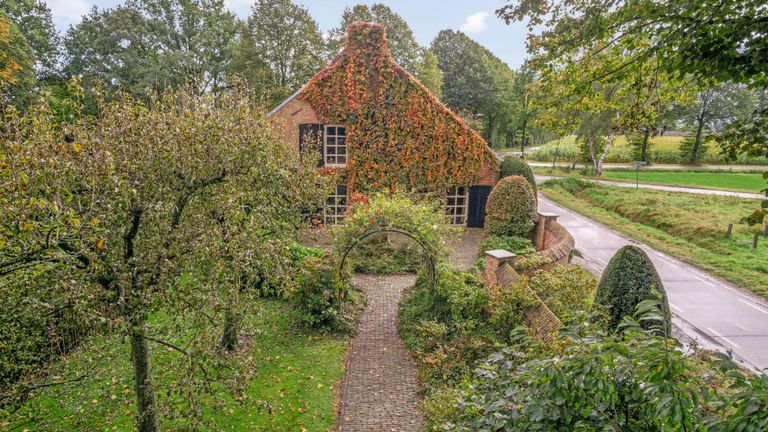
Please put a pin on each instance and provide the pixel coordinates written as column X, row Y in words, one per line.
column 694, row 157
column 522, row 141
column 145, row 390
column 231, row 330
column 599, row 161
column 644, row 148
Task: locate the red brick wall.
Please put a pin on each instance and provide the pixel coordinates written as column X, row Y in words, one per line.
column 488, row 174
column 286, row 121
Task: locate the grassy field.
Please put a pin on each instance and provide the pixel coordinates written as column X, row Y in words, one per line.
column 732, row 181
column 687, row 226
column 664, row 149
column 294, row 389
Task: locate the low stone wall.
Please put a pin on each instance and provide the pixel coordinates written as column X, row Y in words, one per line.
column 553, row 244
column 501, row 276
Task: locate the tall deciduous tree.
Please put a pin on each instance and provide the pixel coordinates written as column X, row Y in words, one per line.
column 117, row 205
column 475, row 82
column 33, row 18
column 285, row 43
column 429, row 74
column 712, row 110
column 150, row 45
column 711, row 40
column 400, row 39
column 16, row 61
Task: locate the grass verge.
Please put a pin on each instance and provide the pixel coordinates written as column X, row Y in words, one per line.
column 719, row 180
column 294, row 388
column 688, row 226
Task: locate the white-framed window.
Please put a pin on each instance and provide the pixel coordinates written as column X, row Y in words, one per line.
column 335, row 206
column 335, row 145
column 456, row 205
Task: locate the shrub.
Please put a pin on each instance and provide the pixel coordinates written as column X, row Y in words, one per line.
column 518, row 245
column 320, row 294
column 513, row 165
column 510, row 208
column 630, row 278
column 446, row 327
column 423, row 218
column 568, row 290
column 379, row 254
column 586, row 381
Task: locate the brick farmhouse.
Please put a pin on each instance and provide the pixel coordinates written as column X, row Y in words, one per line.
column 371, row 123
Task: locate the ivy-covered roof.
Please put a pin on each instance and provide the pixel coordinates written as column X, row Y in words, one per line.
column 398, row 133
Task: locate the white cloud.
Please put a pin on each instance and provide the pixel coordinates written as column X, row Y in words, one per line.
column 66, row 12
column 475, row 23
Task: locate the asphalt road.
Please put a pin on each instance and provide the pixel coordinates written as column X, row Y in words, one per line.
column 715, row 313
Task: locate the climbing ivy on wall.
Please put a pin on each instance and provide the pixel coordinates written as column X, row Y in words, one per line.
column 398, row 133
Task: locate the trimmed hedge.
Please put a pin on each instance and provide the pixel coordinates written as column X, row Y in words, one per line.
column 510, row 208
column 513, row 165
column 630, row 278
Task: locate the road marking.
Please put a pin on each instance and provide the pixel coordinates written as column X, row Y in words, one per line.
column 681, row 310
column 754, row 306
column 735, row 345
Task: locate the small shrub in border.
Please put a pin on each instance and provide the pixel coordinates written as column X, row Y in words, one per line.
column 630, row 278
column 510, row 208
column 320, row 295
column 568, row 290
column 513, row 165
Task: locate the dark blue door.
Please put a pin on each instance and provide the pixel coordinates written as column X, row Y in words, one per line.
column 478, row 195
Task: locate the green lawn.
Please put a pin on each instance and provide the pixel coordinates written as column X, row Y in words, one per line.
column 294, row 388
column 688, row 226
column 745, row 182
column 663, row 150
column 733, row 181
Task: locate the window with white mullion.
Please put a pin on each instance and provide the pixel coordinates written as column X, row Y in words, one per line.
column 456, row 205
column 335, row 145
column 335, row 206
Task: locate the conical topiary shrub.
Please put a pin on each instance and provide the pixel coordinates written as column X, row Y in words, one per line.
column 513, row 165
column 630, row 278
column 510, row 208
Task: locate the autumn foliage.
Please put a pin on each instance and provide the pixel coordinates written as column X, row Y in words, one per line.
column 398, row 133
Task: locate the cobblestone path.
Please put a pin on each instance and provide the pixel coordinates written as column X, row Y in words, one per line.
column 380, row 390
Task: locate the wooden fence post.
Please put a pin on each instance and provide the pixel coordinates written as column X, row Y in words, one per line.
column 754, row 240
column 729, row 231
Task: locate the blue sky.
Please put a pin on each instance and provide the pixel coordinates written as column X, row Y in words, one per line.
column 426, row 18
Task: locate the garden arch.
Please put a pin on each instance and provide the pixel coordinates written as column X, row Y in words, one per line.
column 430, row 255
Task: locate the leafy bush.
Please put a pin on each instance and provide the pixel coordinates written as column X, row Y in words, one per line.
column 320, row 295
column 298, row 252
column 513, row 165
column 635, row 381
column 423, row 218
column 378, row 255
column 38, row 327
column 517, row 245
column 510, row 208
column 568, row 290
column 630, row 278
column 446, row 327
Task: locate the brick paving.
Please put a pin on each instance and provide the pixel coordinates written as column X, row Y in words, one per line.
column 464, row 248
column 380, row 390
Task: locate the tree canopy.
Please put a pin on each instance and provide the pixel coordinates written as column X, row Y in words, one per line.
column 149, row 45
